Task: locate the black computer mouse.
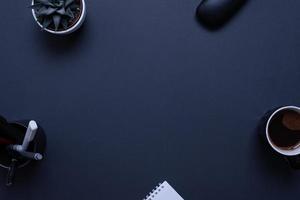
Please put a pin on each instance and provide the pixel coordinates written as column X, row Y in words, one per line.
column 215, row 13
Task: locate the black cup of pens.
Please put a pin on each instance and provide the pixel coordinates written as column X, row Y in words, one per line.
column 21, row 143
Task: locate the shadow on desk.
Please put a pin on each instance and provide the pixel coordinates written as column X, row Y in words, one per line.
column 23, row 175
column 60, row 45
column 268, row 163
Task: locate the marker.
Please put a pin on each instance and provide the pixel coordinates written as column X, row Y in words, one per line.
column 31, row 155
column 26, row 154
column 30, row 134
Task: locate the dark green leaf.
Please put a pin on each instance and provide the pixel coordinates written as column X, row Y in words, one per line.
column 61, row 11
column 59, row 4
column 65, row 23
column 44, row 2
column 39, row 10
column 68, row 2
column 74, row 6
column 56, row 21
column 47, row 21
column 69, row 13
column 46, row 11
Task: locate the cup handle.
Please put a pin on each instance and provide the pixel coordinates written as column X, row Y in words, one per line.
column 294, row 161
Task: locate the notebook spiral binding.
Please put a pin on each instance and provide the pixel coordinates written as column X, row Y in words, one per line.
column 154, row 192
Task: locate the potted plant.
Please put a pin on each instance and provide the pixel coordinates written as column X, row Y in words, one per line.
column 59, row 16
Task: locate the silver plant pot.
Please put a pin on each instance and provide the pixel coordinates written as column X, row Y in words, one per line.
column 73, row 28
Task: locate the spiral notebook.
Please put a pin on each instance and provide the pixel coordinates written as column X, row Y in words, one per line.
column 163, row 191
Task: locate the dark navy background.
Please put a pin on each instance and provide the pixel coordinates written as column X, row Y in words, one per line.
column 143, row 93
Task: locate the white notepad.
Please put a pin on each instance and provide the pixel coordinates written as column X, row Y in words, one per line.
column 163, row 191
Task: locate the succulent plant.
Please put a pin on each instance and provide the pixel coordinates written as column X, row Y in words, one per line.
column 55, row 13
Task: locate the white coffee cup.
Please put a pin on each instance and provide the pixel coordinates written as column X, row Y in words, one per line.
column 286, row 152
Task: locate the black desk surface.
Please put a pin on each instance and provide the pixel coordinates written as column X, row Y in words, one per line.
column 143, row 93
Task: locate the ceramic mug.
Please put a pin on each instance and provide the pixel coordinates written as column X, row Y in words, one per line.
column 291, row 155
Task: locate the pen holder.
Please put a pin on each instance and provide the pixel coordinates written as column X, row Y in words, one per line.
column 38, row 145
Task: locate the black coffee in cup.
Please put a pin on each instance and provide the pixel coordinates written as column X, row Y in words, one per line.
column 283, row 135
